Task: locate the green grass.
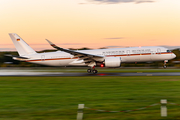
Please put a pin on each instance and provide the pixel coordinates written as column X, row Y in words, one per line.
column 57, row 98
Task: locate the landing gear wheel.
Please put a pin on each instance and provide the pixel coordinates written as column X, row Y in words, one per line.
column 165, row 61
column 94, row 71
column 89, row 70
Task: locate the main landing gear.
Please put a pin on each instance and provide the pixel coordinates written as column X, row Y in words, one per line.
column 92, row 70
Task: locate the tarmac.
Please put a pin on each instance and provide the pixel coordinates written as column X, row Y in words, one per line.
column 62, row 74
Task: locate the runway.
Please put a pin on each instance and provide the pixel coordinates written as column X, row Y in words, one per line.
column 63, row 74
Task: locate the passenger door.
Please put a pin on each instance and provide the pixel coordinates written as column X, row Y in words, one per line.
column 159, row 51
column 128, row 52
column 43, row 58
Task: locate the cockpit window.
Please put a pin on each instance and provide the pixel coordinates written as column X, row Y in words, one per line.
column 168, row 51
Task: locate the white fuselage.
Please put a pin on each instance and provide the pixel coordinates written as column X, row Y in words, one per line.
column 133, row 54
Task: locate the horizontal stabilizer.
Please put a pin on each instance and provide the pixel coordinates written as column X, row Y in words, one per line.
column 17, row 57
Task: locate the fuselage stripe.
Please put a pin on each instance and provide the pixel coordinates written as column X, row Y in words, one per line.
column 105, row 56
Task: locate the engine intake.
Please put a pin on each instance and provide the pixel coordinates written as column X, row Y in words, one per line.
column 113, row 61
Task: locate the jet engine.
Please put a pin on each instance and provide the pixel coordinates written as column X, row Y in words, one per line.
column 112, row 61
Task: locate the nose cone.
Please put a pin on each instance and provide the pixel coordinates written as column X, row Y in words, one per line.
column 173, row 55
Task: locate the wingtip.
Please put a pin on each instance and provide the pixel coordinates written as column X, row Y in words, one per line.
column 49, row 42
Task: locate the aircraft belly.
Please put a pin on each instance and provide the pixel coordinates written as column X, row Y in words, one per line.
column 160, row 57
column 139, row 58
column 54, row 62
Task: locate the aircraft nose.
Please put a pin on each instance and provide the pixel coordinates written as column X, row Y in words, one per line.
column 173, row 55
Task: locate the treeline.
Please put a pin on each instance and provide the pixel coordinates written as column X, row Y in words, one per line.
column 6, row 61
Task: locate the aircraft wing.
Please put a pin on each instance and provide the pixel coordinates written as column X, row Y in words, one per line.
column 88, row 58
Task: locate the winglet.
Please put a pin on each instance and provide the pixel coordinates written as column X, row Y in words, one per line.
column 53, row 45
column 50, row 42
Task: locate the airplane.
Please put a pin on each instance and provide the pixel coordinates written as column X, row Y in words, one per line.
column 110, row 58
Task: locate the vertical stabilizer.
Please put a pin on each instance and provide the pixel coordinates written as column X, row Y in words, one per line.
column 21, row 46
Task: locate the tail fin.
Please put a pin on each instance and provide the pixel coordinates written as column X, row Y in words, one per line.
column 21, row 46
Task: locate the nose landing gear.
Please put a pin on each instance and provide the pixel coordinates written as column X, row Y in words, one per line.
column 164, row 66
column 165, row 61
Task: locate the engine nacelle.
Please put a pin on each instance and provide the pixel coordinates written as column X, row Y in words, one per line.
column 113, row 61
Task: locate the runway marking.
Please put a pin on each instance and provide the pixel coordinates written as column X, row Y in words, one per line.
column 149, row 75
